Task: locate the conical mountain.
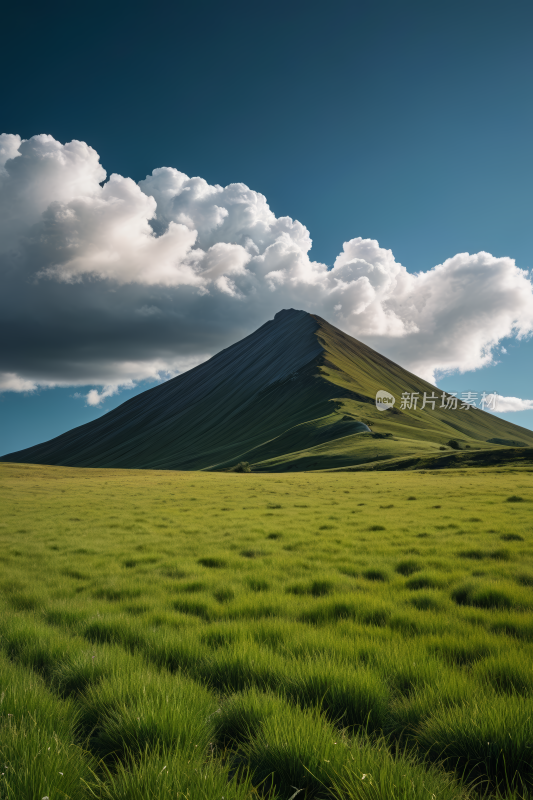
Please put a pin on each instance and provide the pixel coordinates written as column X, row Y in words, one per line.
column 296, row 394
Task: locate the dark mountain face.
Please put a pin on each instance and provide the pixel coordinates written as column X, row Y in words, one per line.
column 296, row 394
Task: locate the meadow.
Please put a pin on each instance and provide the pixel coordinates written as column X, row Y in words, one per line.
column 224, row 636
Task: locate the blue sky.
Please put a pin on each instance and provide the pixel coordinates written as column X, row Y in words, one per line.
column 405, row 123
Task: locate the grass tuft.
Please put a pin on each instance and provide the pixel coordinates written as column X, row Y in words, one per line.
column 408, row 567
column 375, row 575
column 212, row 563
column 482, row 597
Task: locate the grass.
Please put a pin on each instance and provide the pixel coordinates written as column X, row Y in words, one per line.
column 169, row 635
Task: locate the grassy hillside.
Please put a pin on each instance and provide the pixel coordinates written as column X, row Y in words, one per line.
column 297, row 394
column 398, row 439
column 190, row 634
column 359, row 370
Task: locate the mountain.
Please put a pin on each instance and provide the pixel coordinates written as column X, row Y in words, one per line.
column 298, row 394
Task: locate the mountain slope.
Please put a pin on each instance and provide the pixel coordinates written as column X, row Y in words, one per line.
column 296, row 394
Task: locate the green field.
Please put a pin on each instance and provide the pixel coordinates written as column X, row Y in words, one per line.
column 215, row 635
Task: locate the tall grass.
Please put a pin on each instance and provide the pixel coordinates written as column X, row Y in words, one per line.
column 489, row 741
column 144, row 708
column 162, row 774
column 38, row 755
column 169, row 634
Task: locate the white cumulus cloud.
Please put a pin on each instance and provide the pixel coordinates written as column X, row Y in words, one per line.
column 11, row 382
column 106, row 283
column 506, row 404
column 96, row 398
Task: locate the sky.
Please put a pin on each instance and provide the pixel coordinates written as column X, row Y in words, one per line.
column 172, row 176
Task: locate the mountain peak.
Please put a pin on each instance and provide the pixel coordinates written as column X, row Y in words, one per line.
column 290, row 312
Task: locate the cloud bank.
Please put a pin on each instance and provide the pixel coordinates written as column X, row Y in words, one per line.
column 109, row 282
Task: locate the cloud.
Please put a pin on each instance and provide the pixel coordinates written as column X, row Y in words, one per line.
column 11, row 382
column 461, row 310
column 107, row 283
column 96, row 398
column 506, row 404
